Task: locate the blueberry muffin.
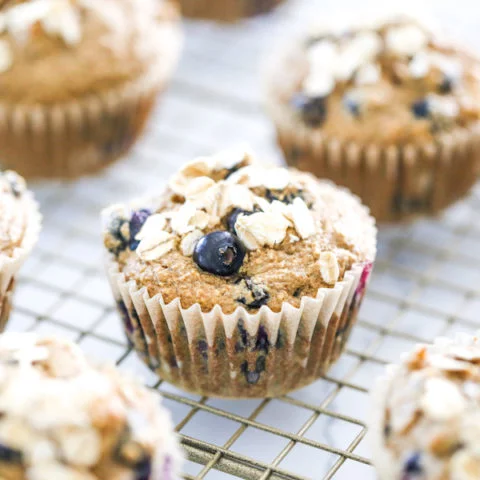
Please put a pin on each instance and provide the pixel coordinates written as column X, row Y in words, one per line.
column 240, row 280
column 389, row 109
column 226, row 10
column 64, row 418
column 78, row 80
column 425, row 419
column 19, row 229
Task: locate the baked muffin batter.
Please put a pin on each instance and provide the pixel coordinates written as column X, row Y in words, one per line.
column 426, row 422
column 392, row 81
column 230, row 232
column 63, row 418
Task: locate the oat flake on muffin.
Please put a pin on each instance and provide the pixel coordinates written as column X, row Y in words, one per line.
column 65, row 419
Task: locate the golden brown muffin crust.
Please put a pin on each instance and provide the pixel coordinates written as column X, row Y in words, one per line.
column 117, row 42
column 299, row 235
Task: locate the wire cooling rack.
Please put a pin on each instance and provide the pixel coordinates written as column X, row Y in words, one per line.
column 426, row 283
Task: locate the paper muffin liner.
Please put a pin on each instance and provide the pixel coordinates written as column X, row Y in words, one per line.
column 397, row 182
column 82, row 136
column 10, row 265
column 226, row 10
column 240, row 355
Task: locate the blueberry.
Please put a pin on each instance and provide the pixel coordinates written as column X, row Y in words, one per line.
column 413, row 464
column 262, row 342
column 232, row 170
column 286, row 198
column 136, row 223
column 252, row 377
column 232, row 218
column 313, row 109
column 220, row 253
column 143, row 469
column 352, row 105
column 133, row 455
column 259, row 295
column 242, row 344
column 447, row 84
column 203, row 349
column 15, row 187
column 125, row 316
column 421, row 108
column 10, row 455
column 280, row 340
column 117, row 228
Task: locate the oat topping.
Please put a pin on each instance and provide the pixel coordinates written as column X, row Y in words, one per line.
column 386, row 66
column 222, row 214
column 430, row 412
column 62, row 19
column 63, row 418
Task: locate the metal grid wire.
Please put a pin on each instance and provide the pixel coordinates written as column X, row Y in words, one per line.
column 426, row 281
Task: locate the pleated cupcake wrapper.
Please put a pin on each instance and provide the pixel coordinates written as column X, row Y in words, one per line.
column 396, row 182
column 82, row 136
column 226, row 10
column 241, row 354
column 9, row 266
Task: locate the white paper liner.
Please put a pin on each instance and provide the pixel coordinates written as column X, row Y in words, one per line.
column 10, row 265
column 73, row 138
column 219, row 354
column 397, row 182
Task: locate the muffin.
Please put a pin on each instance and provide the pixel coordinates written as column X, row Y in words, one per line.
column 78, row 80
column 388, row 108
column 19, row 229
column 226, row 10
column 425, row 420
column 64, row 418
column 240, row 279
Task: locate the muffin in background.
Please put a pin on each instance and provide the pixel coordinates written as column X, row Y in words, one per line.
column 78, row 80
column 239, row 279
column 20, row 223
column 65, row 418
column 425, row 422
column 226, row 10
column 389, row 108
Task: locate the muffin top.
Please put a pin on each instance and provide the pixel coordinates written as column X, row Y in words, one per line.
column 63, row 418
column 56, row 50
column 394, row 80
column 232, row 232
column 430, row 418
column 15, row 207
